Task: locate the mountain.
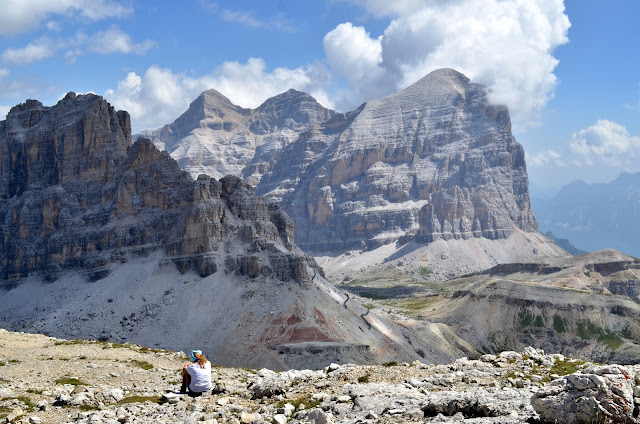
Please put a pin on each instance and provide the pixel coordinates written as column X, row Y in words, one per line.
column 435, row 161
column 218, row 138
column 595, row 216
column 104, row 239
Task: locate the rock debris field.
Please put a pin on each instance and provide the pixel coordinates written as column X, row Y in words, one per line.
column 49, row 380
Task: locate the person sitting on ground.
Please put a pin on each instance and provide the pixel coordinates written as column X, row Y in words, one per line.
column 196, row 375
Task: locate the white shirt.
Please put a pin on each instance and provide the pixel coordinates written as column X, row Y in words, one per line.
column 200, row 377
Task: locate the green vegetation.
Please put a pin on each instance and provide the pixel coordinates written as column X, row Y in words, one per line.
column 24, row 399
column 566, row 366
column 298, row 402
column 373, row 296
column 588, row 330
column 34, row 391
column 3, row 380
column 528, row 319
column 141, row 399
column 70, row 380
column 142, row 364
column 558, row 324
column 369, row 306
column 364, row 378
column 71, row 342
column 425, row 272
column 390, row 364
column 539, row 322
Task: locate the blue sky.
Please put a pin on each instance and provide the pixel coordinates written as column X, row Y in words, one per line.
column 569, row 71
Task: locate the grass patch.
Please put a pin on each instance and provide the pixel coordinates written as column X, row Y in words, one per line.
column 4, row 380
column 611, row 340
column 70, row 380
column 364, row 378
column 34, row 391
column 390, row 364
column 566, row 366
column 141, row 399
column 588, row 330
column 24, row 399
column 369, row 306
column 88, row 408
column 526, row 318
column 70, row 342
column 538, row 322
column 425, row 272
column 558, row 324
column 304, row 400
column 142, row 364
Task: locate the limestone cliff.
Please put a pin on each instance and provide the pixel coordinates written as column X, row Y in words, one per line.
column 76, row 194
column 434, row 161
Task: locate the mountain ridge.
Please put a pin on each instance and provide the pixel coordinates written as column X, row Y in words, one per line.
column 435, row 160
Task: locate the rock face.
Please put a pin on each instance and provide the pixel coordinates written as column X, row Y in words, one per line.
column 434, row 161
column 218, row 138
column 104, row 239
column 72, row 183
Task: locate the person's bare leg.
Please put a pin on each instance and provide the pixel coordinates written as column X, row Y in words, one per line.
column 186, row 381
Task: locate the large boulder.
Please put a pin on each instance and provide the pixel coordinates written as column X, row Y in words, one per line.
column 597, row 394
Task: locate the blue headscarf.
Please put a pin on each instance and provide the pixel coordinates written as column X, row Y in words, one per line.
column 193, row 356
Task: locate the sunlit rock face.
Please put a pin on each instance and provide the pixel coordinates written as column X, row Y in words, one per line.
column 434, row 161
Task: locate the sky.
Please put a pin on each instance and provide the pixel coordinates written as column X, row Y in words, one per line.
column 569, row 71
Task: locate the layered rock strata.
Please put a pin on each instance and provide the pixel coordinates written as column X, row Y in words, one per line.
column 77, row 194
column 434, row 161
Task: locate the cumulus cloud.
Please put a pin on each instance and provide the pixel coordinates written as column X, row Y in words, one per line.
column 42, row 48
column 160, row 95
column 545, row 158
column 607, row 143
column 20, row 16
column 114, row 40
column 504, row 44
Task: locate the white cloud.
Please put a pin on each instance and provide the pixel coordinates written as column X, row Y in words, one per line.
column 248, row 18
column 42, row 48
column 607, row 143
column 114, row 40
column 3, row 111
column 504, row 44
column 23, row 15
column 545, row 158
column 159, row 96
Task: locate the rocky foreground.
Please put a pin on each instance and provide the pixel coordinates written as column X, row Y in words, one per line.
column 49, row 380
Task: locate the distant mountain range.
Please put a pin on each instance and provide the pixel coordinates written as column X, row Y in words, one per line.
column 595, row 216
